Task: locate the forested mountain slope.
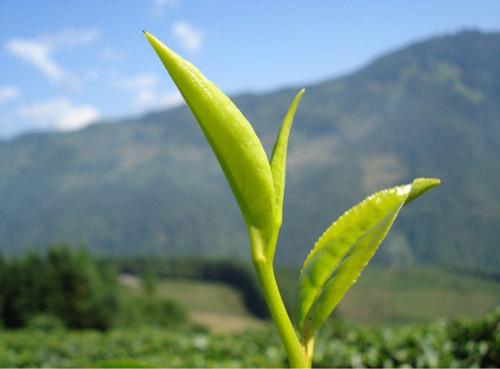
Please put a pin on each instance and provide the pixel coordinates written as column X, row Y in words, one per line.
column 151, row 184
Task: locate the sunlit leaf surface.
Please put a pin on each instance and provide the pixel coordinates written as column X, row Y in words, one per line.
column 230, row 135
column 346, row 247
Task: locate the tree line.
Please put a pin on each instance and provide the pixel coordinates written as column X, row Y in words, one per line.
column 68, row 284
column 77, row 290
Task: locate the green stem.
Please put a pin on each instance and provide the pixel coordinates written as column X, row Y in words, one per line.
column 267, row 280
column 308, row 346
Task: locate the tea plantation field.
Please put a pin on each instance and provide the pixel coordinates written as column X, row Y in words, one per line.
column 460, row 343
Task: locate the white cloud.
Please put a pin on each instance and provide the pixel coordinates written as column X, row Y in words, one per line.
column 160, row 6
column 146, row 94
column 140, row 81
column 8, row 93
column 39, row 52
column 59, row 114
column 70, row 38
column 171, row 99
column 150, row 100
column 190, row 37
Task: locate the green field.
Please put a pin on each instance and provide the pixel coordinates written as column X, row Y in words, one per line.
column 411, row 295
column 382, row 322
column 452, row 344
column 215, row 305
column 381, row 296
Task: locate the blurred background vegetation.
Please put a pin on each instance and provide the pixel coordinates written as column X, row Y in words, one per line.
column 121, row 244
column 65, row 307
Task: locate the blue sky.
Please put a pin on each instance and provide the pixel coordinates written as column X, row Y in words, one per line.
column 67, row 64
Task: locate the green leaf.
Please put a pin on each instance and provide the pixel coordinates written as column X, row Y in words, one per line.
column 231, row 137
column 420, row 186
column 278, row 157
column 342, row 252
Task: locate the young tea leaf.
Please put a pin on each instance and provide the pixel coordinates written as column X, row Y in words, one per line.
column 420, row 186
column 231, row 137
column 343, row 251
column 278, row 157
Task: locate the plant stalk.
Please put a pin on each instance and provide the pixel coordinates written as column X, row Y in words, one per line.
column 308, row 347
column 265, row 272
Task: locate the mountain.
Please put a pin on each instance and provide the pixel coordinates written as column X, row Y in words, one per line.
column 152, row 185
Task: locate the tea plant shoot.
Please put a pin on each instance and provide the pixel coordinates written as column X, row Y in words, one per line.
column 258, row 183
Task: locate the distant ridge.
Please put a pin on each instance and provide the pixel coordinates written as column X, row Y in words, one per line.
column 151, row 185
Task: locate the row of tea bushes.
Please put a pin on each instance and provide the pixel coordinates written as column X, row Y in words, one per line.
column 458, row 343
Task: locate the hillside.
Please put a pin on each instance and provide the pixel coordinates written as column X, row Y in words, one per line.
column 151, row 184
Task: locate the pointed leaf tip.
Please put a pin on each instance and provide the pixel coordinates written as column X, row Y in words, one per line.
column 232, row 138
column 420, row 186
column 278, row 157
